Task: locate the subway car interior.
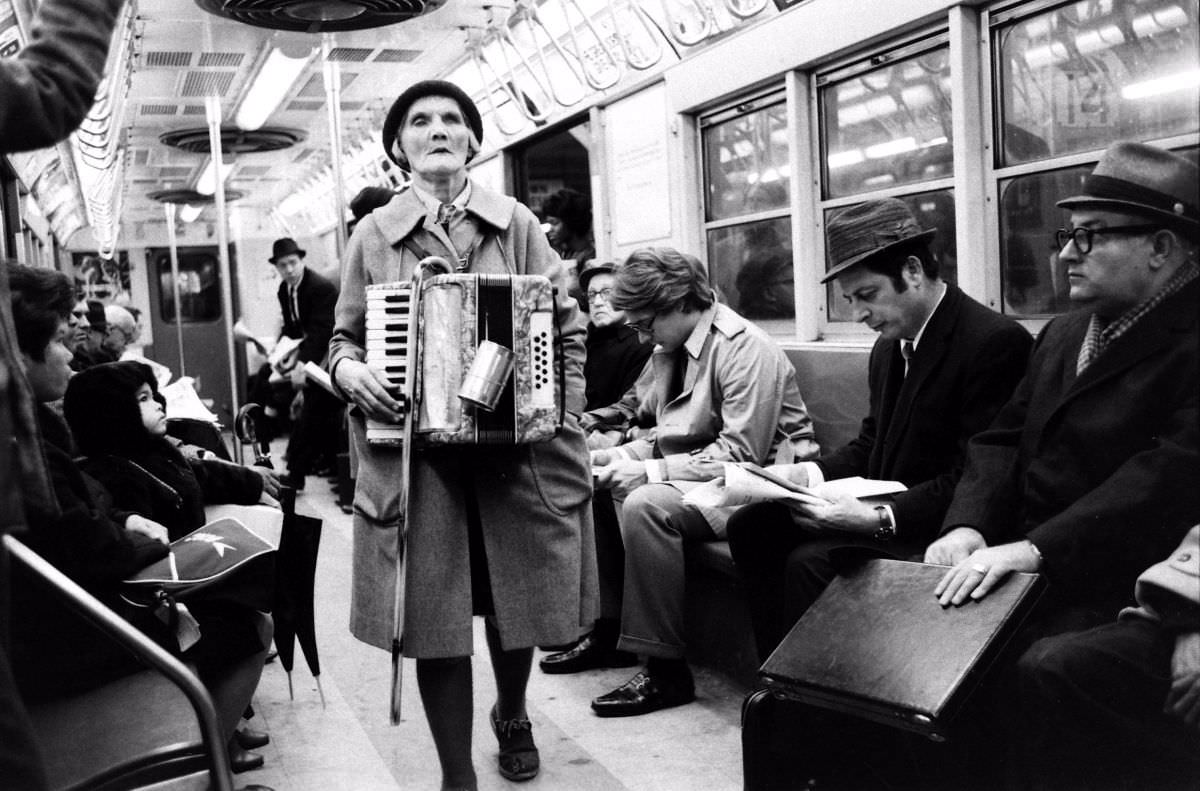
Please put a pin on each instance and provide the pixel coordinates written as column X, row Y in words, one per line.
column 731, row 130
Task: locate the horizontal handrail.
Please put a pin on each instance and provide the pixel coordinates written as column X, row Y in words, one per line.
column 145, row 649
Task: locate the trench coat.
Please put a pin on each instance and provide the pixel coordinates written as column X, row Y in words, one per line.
column 533, row 500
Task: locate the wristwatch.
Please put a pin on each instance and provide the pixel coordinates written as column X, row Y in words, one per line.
column 887, row 527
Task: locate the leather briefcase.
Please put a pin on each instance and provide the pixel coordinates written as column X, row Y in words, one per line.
column 877, row 645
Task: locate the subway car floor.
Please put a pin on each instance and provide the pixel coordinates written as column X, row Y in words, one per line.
column 349, row 744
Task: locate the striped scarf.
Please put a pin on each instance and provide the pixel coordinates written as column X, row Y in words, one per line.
column 1100, row 335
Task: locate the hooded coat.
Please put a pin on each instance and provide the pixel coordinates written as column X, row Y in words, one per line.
column 143, row 473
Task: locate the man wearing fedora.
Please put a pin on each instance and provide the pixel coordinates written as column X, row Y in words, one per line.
column 1088, row 474
column 307, row 301
column 942, row 367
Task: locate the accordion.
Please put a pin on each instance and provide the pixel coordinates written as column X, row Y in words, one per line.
column 456, row 313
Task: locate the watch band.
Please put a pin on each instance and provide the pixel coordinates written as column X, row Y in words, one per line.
column 887, row 527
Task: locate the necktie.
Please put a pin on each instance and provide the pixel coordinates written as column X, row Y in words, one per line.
column 678, row 374
column 295, row 304
column 907, row 349
column 445, row 214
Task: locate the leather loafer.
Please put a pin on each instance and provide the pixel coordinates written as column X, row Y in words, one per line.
column 241, row 760
column 643, row 694
column 587, row 654
column 250, row 740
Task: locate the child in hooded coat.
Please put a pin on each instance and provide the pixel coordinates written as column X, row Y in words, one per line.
column 119, row 424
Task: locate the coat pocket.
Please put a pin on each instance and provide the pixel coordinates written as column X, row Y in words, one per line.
column 377, row 486
column 561, row 471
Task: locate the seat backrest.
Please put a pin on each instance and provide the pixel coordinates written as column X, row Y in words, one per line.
column 134, row 731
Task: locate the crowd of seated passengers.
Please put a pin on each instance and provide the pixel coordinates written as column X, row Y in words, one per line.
column 98, row 543
column 1081, row 475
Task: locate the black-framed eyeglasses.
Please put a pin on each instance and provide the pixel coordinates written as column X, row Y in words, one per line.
column 1082, row 237
column 643, row 327
column 604, row 294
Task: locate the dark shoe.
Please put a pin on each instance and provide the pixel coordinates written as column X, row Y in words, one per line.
column 241, row 760
column 643, row 694
column 250, row 740
column 518, row 759
column 587, row 654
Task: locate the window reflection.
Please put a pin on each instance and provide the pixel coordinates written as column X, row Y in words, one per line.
column 889, row 126
column 934, row 209
column 1085, row 74
column 746, row 163
column 751, row 265
column 199, row 287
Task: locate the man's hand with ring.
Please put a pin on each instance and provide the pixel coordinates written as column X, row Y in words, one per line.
column 982, row 571
column 367, row 387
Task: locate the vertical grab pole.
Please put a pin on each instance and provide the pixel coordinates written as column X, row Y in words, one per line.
column 174, row 248
column 333, row 100
column 212, row 106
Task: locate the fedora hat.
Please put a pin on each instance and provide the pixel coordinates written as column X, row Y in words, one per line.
column 1144, row 180
column 870, row 229
column 419, row 90
column 285, row 246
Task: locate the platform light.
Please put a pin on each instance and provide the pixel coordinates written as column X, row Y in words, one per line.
column 1180, row 81
column 274, row 80
column 189, row 212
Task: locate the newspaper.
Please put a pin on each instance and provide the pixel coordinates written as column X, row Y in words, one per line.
column 747, row 483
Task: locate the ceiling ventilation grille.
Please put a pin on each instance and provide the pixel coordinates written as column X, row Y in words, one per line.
column 205, row 83
column 318, row 16
column 397, row 55
column 141, row 157
column 316, row 84
column 194, row 109
column 158, row 109
column 227, row 60
column 156, row 59
column 349, row 54
column 174, row 172
column 233, row 140
column 303, row 105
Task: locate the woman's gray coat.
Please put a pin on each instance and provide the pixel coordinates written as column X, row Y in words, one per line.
column 534, row 500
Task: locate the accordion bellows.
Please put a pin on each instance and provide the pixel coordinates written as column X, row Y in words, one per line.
column 456, row 312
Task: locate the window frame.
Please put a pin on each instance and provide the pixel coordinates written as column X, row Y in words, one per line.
column 992, row 20
column 921, row 40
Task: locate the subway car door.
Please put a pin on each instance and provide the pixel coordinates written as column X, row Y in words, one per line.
column 203, row 323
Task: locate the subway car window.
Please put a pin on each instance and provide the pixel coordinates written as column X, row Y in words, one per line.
column 747, row 207
column 199, row 288
column 885, row 124
column 888, row 126
column 1079, row 76
column 1070, row 80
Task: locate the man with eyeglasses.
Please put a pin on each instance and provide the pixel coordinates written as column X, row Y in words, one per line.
column 1089, row 473
column 616, row 356
column 723, row 392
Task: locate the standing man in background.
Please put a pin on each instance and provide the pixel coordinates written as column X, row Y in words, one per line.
column 307, row 301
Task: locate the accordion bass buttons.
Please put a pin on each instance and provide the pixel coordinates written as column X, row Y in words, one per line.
column 541, row 356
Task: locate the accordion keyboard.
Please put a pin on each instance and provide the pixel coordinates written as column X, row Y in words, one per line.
column 387, row 323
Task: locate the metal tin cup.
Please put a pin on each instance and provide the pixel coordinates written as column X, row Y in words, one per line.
column 487, row 376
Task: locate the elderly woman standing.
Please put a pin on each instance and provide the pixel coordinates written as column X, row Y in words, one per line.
column 499, row 531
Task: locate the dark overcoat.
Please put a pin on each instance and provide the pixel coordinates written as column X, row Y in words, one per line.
column 1099, row 470
column 966, row 366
